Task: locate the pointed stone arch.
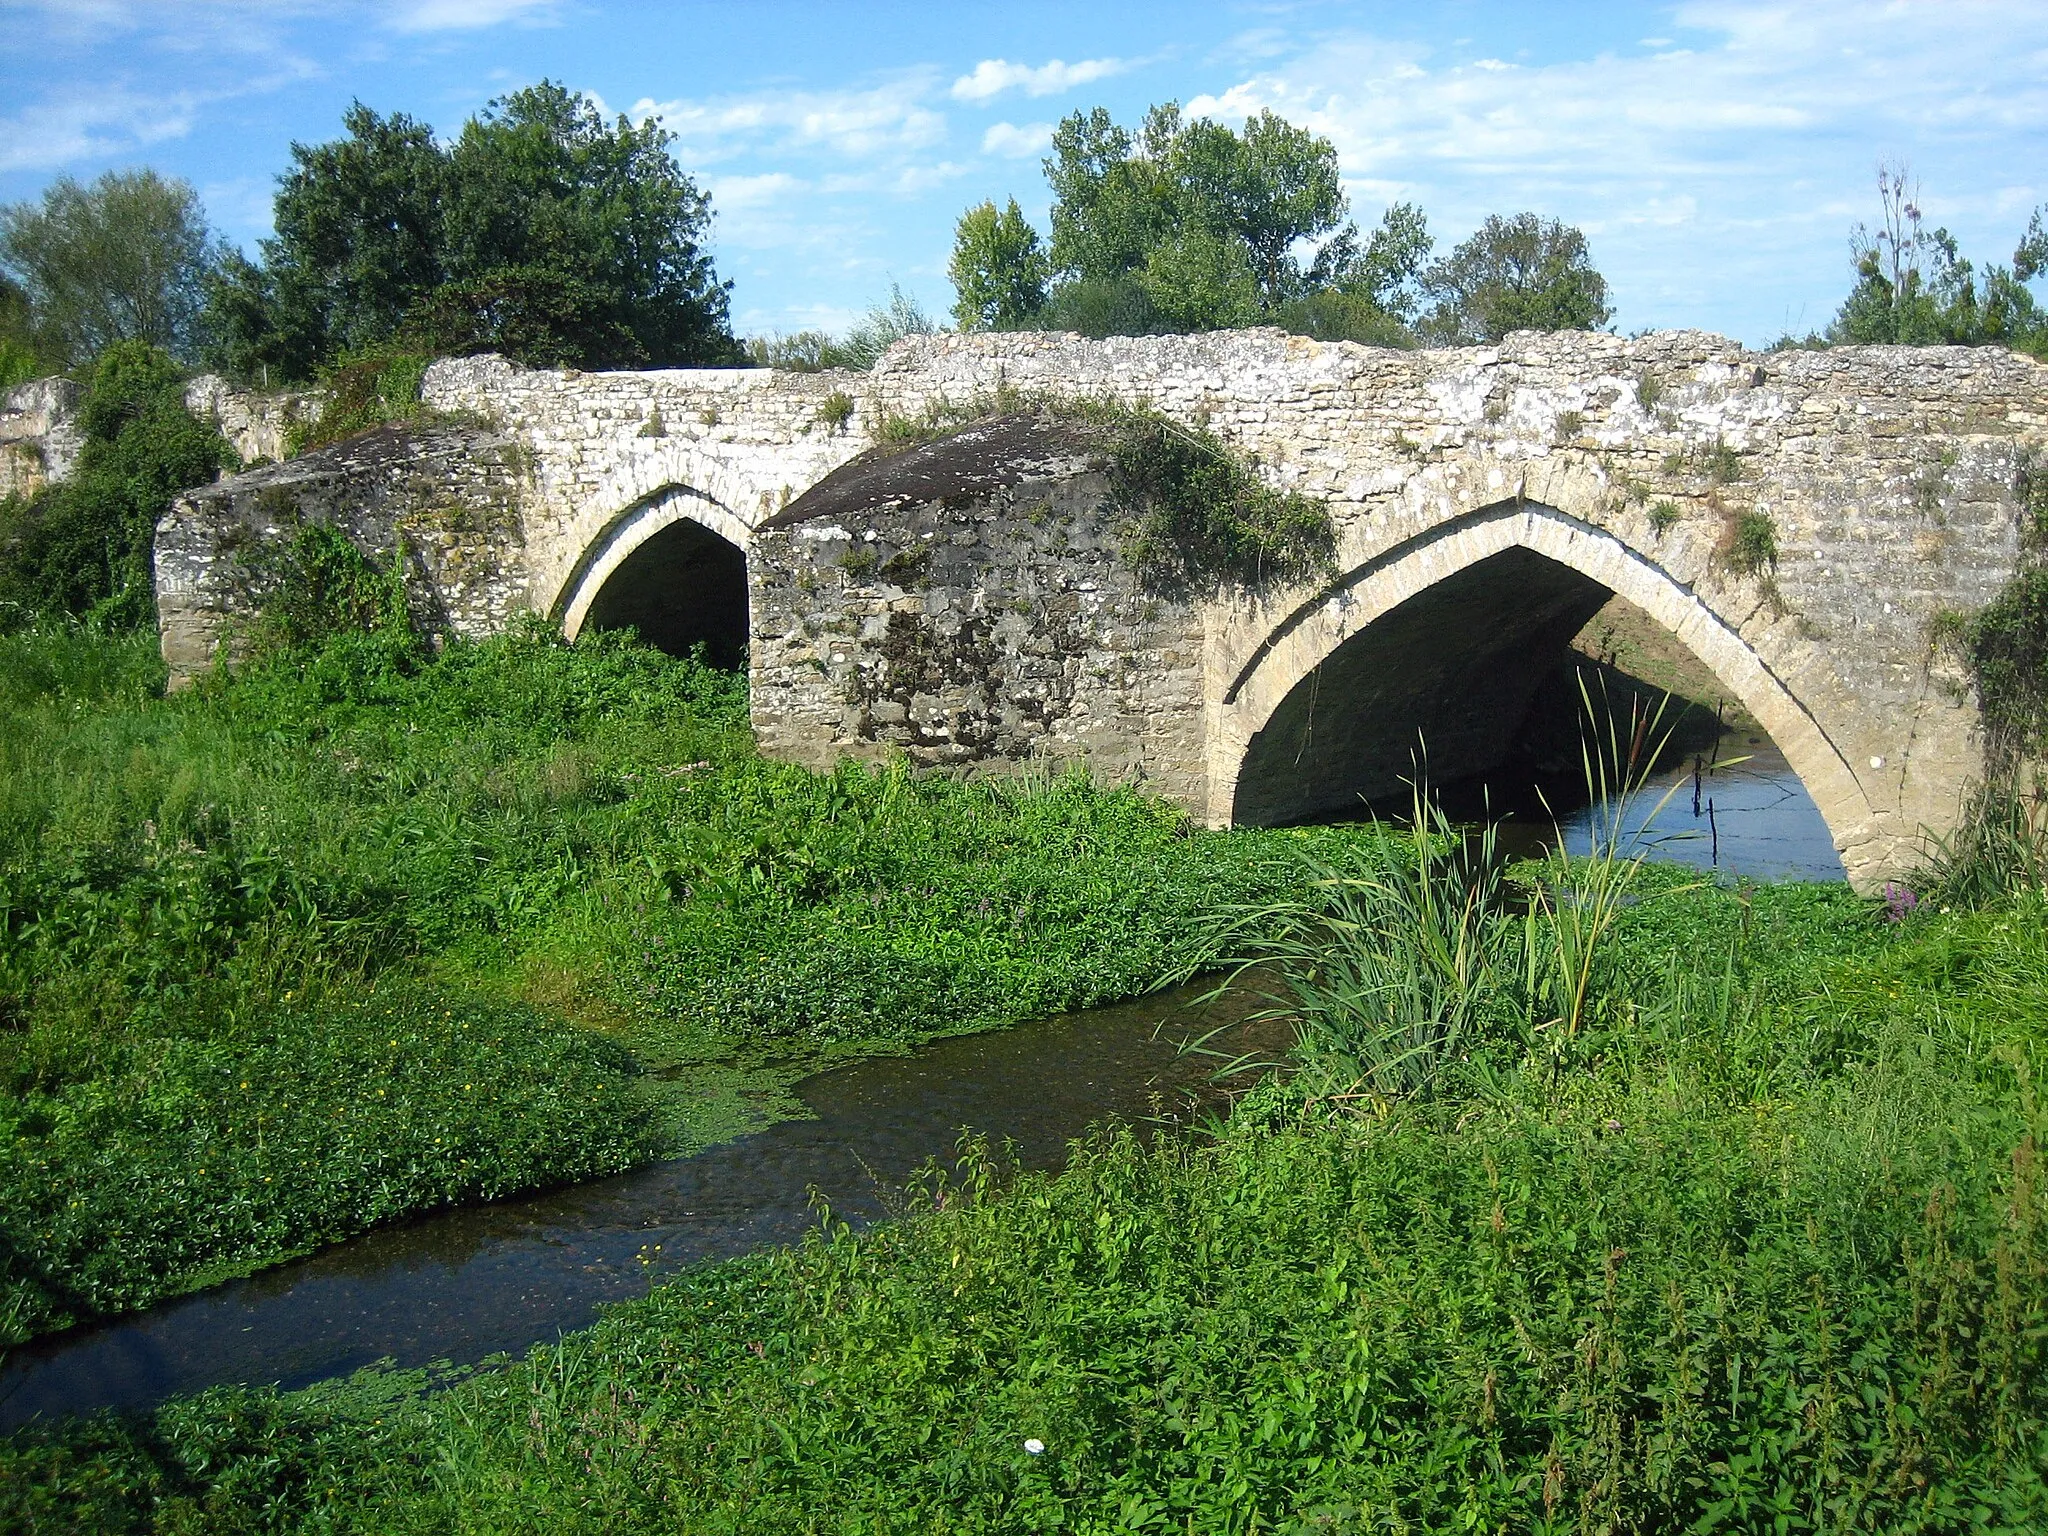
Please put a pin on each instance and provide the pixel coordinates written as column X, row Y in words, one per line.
column 1296, row 649
column 629, row 532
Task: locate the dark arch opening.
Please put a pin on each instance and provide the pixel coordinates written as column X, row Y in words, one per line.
column 1484, row 670
column 684, row 587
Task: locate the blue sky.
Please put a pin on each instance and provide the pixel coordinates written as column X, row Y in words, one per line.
column 1716, row 153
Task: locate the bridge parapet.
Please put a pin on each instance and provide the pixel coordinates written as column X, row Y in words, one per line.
column 1803, row 516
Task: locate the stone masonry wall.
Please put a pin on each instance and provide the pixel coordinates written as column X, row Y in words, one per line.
column 442, row 502
column 1886, row 476
column 967, row 605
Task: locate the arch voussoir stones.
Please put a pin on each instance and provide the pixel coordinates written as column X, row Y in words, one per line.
column 1799, row 521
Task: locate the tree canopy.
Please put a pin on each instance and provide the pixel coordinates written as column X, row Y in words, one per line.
column 1914, row 288
column 1523, row 273
column 1187, row 224
column 541, row 232
column 123, row 258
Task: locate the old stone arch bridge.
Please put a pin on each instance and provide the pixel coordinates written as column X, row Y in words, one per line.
column 966, row 602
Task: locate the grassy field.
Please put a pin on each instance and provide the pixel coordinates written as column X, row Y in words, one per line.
column 1595, row 1198
column 358, row 933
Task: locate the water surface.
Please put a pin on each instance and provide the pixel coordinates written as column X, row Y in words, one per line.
column 480, row 1280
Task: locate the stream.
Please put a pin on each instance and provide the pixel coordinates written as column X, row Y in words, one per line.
column 463, row 1284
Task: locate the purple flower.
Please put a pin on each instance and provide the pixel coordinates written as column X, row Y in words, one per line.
column 1899, row 900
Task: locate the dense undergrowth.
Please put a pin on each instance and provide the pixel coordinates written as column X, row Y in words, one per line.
column 1762, row 1248
column 357, row 932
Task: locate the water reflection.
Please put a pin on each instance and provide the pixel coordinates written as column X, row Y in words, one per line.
column 1735, row 806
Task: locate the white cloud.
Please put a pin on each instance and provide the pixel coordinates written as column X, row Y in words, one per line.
column 859, row 123
column 1015, row 142
column 467, row 15
column 91, row 124
column 992, row 77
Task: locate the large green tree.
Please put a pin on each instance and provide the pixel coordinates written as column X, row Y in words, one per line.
column 123, row 258
column 998, row 269
column 1519, row 273
column 1209, row 225
column 543, row 232
column 1914, row 287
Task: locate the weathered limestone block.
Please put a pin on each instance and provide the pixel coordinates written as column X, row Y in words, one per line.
column 967, row 604
column 442, row 503
column 39, row 435
column 257, row 425
column 1883, row 476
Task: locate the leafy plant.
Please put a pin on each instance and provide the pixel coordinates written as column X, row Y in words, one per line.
column 835, row 410
column 366, row 389
column 1751, row 546
column 1200, row 516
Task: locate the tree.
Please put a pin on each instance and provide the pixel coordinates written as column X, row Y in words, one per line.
column 542, row 232
column 122, row 259
column 599, row 222
column 1206, row 224
column 1523, row 273
column 1914, row 287
column 998, row 269
column 19, row 360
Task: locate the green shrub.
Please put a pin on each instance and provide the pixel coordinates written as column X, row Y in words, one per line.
column 365, row 389
column 1752, row 544
column 1200, row 516
column 82, row 548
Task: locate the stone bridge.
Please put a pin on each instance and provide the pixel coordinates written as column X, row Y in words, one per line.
column 967, row 602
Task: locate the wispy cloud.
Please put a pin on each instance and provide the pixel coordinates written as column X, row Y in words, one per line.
column 1730, row 159
column 468, row 15
column 992, row 77
column 1015, row 142
column 857, row 123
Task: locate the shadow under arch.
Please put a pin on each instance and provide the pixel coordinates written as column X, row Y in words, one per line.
column 1448, row 636
column 673, row 566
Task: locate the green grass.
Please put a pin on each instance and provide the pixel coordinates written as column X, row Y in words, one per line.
column 574, row 853
column 1771, row 1257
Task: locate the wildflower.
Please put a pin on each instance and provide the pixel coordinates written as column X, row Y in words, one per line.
column 1899, row 901
column 1034, row 1447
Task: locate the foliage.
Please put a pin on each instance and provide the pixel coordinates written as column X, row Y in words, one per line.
column 363, row 390
column 881, row 328
column 1770, row 1258
column 1189, row 225
column 124, row 259
column 199, row 1155
column 998, row 269
column 1752, row 544
column 20, row 361
column 1523, row 273
column 1201, row 516
column 318, row 588
column 82, row 548
column 1913, row 287
column 585, row 829
column 860, row 348
column 540, row 232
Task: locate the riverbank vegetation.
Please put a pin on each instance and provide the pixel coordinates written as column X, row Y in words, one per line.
column 1746, row 1233
column 362, row 930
